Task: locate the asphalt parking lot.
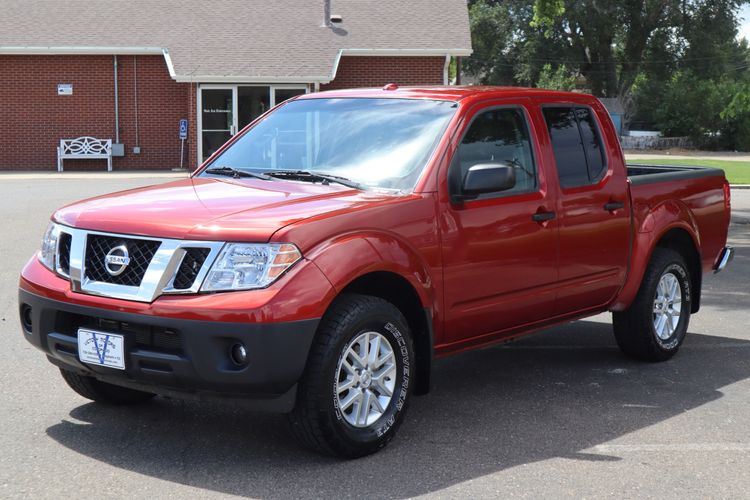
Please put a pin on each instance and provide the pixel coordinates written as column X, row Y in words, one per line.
column 558, row 414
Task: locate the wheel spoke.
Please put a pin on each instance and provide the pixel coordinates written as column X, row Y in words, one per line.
column 668, row 323
column 381, row 361
column 659, row 326
column 376, row 404
column 348, row 384
column 379, row 380
column 348, row 367
column 372, row 358
column 364, row 408
column 351, row 398
column 358, row 360
column 674, row 285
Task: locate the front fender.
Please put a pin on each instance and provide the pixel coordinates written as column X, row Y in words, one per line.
column 651, row 224
column 349, row 256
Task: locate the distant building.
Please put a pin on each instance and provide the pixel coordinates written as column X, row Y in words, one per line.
column 616, row 111
column 131, row 70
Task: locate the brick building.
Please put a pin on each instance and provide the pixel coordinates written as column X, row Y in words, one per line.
column 129, row 71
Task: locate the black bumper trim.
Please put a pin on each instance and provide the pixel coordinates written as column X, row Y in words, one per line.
column 200, row 369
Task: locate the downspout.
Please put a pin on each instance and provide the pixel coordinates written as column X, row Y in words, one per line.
column 117, row 110
column 135, row 93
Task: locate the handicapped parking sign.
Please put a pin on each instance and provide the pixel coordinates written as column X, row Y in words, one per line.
column 183, row 129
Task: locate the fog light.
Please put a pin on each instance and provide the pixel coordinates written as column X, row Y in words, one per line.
column 238, row 353
column 26, row 318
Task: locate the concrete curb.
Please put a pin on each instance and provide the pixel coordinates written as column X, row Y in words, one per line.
column 739, row 186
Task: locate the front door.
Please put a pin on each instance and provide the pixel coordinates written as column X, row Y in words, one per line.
column 225, row 110
column 217, row 118
column 499, row 256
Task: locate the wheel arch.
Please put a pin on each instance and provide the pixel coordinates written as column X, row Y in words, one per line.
column 394, row 288
column 683, row 242
column 669, row 224
column 397, row 290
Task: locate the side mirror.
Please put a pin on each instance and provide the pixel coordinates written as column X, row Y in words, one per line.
column 487, row 178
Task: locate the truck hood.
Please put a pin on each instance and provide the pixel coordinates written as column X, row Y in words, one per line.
column 212, row 209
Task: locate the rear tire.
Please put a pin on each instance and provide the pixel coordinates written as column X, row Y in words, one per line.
column 102, row 392
column 350, row 402
column 655, row 324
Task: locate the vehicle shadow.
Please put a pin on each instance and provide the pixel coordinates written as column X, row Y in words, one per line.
column 555, row 394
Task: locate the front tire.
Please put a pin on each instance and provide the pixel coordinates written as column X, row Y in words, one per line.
column 102, row 392
column 357, row 383
column 655, row 324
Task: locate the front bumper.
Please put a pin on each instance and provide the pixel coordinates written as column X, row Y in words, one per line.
column 177, row 357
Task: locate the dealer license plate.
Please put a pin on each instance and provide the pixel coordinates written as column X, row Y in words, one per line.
column 101, row 348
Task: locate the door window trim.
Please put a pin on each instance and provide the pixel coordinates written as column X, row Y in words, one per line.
column 526, row 121
column 598, row 129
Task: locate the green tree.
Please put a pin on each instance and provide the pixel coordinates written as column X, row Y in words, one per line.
column 558, row 79
column 610, row 43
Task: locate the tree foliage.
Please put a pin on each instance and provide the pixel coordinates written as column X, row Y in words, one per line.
column 656, row 56
column 558, row 79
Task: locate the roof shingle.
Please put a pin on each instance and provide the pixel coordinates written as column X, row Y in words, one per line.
column 244, row 40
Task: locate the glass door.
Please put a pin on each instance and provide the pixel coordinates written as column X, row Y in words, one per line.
column 227, row 109
column 252, row 101
column 217, row 118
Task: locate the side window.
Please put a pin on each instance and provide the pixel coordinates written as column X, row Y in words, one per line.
column 592, row 143
column 494, row 136
column 576, row 144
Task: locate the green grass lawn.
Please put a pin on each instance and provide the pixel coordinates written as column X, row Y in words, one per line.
column 737, row 172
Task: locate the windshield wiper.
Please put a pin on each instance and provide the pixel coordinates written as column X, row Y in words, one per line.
column 236, row 173
column 307, row 176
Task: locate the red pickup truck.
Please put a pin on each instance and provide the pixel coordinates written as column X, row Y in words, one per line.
column 318, row 262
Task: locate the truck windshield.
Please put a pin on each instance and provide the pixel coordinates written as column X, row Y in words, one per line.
column 379, row 143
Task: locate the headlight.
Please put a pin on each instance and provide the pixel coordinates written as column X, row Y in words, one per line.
column 48, row 252
column 244, row 266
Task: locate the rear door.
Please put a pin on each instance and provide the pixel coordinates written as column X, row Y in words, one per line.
column 593, row 206
column 500, row 265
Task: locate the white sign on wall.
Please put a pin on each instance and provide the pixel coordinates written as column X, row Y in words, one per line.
column 64, row 89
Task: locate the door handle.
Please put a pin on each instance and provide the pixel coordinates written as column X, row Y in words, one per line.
column 614, row 205
column 543, row 216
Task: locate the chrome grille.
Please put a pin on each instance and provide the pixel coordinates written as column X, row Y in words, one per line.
column 189, row 268
column 63, row 253
column 156, row 266
column 141, row 252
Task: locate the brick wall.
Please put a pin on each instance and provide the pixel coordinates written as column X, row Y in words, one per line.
column 33, row 118
column 376, row 71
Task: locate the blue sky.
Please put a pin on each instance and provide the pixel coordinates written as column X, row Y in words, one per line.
column 745, row 21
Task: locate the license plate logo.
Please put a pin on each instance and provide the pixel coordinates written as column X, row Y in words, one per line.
column 101, row 348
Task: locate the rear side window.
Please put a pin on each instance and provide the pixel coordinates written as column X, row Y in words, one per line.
column 592, row 143
column 497, row 135
column 576, row 144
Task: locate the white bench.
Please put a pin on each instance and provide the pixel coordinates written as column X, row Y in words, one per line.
column 84, row 148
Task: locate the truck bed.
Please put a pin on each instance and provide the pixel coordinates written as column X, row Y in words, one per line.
column 698, row 191
column 640, row 173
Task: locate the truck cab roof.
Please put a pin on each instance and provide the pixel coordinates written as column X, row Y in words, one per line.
column 447, row 92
